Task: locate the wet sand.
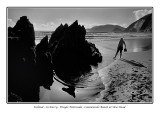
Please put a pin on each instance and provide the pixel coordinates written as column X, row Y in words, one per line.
column 88, row 90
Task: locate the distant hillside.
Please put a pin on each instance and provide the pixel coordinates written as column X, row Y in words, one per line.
column 106, row 28
column 144, row 24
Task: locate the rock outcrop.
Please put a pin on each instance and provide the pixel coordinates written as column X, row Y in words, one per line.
column 24, row 30
column 22, row 80
column 72, row 55
column 144, row 24
column 30, row 66
column 44, row 64
column 28, row 69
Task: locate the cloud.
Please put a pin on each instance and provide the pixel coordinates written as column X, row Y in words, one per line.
column 88, row 25
column 140, row 13
column 49, row 26
column 11, row 23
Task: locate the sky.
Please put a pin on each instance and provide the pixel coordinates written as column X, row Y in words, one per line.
column 48, row 19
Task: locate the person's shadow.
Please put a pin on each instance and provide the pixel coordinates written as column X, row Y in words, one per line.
column 132, row 62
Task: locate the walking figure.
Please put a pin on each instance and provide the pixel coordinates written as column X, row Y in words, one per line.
column 120, row 48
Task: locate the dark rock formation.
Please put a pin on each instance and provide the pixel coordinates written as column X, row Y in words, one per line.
column 72, row 55
column 21, row 71
column 43, row 63
column 27, row 71
column 30, row 66
column 106, row 28
column 24, row 30
column 144, row 24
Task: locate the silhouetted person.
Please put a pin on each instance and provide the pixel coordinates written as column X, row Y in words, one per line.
column 120, row 47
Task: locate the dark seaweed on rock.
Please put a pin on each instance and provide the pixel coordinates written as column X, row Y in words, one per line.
column 72, row 55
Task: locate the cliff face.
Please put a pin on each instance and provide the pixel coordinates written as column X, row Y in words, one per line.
column 106, row 28
column 144, row 24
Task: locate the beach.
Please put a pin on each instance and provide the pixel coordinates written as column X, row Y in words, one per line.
column 128, row 79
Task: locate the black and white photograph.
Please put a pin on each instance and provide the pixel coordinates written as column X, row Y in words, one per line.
column 79, row 54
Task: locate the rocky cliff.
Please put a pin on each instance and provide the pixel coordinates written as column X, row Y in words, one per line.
column 144, row 24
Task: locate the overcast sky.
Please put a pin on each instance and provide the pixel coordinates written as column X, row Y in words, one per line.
column 50, row 18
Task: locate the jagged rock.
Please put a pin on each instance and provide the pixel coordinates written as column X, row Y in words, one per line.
column 24, row 30
column 22, row 80
column 44, row 63
column 72, row 55
column 27, row 69
column 42, row 47
column 57, row 36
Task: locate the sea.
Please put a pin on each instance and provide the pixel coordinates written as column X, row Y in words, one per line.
column 135, row 41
